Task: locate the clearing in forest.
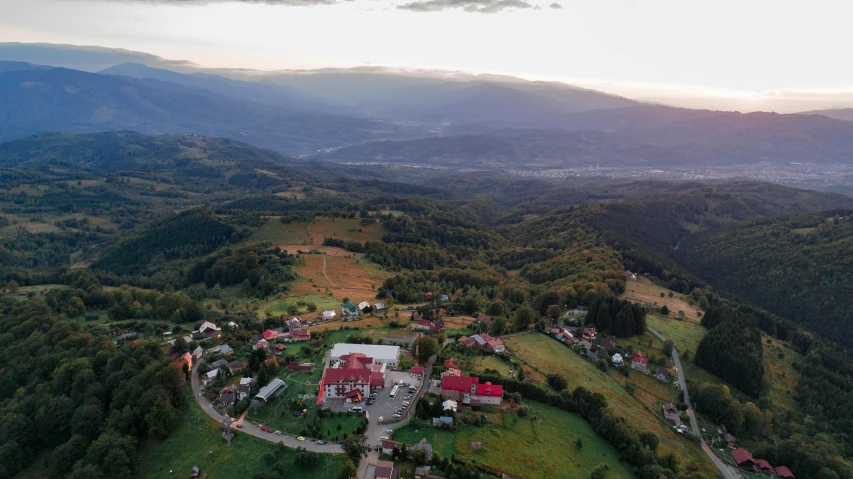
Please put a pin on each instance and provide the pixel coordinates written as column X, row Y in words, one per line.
column 642, row 290
column 310, row 235
column 684, row 334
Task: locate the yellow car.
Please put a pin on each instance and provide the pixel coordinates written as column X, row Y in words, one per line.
column 300, row 438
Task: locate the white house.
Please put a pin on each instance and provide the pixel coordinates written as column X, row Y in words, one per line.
column 362, row 305
column 198, row 353
column 329, row 315
column 210, row 376
column 206, row 326
column 449, row 405
column 617, row 359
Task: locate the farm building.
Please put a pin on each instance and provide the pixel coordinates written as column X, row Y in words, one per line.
column 271, row 390
column 387, row 355
column 468, row 390
column 349, row 311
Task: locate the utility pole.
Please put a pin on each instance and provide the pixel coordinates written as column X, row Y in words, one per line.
column 227, row 425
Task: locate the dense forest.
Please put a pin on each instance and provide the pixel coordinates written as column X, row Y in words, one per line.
column 76, row 396
column 798, row 266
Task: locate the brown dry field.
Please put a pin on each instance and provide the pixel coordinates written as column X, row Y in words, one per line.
column 345, row 278
column 364, row 323
column 457, row 322
column 293, row 236
column 642, row 290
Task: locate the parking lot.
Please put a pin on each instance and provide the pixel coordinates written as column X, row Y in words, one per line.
column 384, row 406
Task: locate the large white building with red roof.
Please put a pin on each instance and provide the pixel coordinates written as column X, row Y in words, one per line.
column 468, row 390
column 352, row 372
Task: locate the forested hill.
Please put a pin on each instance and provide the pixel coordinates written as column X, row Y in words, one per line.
column 800, row 267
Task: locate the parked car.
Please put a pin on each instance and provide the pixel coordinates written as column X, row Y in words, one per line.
column 239, row 426
column 278, row 433
column 397, row 415
column 320, row 442
column 300, row 438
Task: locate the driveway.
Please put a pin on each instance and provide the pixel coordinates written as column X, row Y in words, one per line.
column 724, row 468
column 252, row 430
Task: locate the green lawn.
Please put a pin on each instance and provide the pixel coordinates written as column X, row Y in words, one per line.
column 538, row 447
column 684, row 335
column 197, row 442
column 551, row 356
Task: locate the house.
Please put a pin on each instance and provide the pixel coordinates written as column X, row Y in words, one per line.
column 210, row 376
column 494, row 345
column 261, row 344
column 301, row 367
column 228, row 396
column 662, row 374
column 484, row 319
column 294, row 323
column 198, row 353
column 270, row 335
column 451, row 372
column 427, row 326
column 349, row 311
column 444, row 297
column 280, row 348
column 670, row 411
column 380, row 306
column 468, row 390
column 206, row 326
column 743, row 459
column 224, row 350
column 329, row 315
column 763, row 465
column 584, row 345
column 186, row 358
column 449, row 405
column 428, row 296
column 388, row 446
column 466, row 342
column 422, row 471
column 235, row 367
column 639, row 362
column 607, row 343
column 385, row 470
column 417, row 371
column 271, row 390
column 589, row 333
column 363, row 305
column 195, row 471
column 730, row 440
column 127, row 335
column 616, row 359
column 784, row 472
column 296, row 335
column 220, row 363
column 451, row 363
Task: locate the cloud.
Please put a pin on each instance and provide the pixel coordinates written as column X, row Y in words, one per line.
column 556, row 6
column 473, row 6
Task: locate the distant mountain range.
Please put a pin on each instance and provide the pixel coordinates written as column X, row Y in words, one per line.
column 376, row 115
column 685, row 138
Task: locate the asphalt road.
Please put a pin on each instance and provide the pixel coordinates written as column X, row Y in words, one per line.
column 724, row 468
column 252, row 430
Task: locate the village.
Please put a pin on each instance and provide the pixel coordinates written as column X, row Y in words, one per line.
column 314, row 389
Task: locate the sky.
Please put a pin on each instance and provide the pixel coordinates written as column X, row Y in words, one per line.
column 668, row 50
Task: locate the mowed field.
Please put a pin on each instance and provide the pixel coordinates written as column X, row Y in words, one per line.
column 538, row 447
column 197, row 441
column 684, row 334
column 293, row 236
column 644, row 291
column 335, row 273
column 551, row 356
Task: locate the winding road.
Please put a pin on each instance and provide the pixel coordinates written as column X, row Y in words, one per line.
column 727, row 471
column 252, row 430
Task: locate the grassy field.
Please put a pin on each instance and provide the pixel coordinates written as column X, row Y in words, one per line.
column 780, row 374
column 197, row 442
column 685, row 335
column 538, row 447
column 644, row 291
column 551, row 356
column 298, row 234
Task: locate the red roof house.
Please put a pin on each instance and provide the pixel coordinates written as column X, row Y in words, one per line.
column 270, row 334
column 784, row 472
column 743, row 458
column 639, row 362
column 355, row 395
column 763, row 465
column 468, row 389
column 419, row 370
column 451, row 363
